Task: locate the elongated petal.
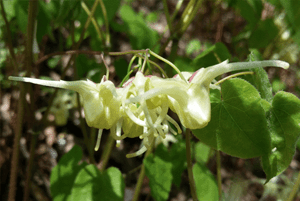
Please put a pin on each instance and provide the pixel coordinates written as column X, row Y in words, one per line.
column 208, row 74
column 79, row 86
column 100, row 101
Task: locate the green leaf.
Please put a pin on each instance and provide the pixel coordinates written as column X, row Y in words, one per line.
column 9, row 9
column 21, row 14
column 206, row 185
column 260, row 78
column 152, row 17
column 250, row 10
column 67, row 10
column 91, row 184
column 285, row 126
column 213, row 55
column 278, row 85
column 111, row 7
column 53, row 61
column 164, row 168
column 298, row 144
column 292, row 8
column 193, row 46
column 202, row 152
column 159, row 171
column 184, row 64
column 178, row 160
column 43, row 21
column 264, row 33
column 141, row 36
column 238, row 124
column 215, row 95
column 64, row 173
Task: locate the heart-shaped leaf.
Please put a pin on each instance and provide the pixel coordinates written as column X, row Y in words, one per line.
column 238, row 124
column 284, row 117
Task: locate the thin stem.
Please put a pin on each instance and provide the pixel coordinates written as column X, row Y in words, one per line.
column 106, row 66
column 141, row 176
column 170, row 63
column 32, row 13
column 127, row 52
column 155, row 64
column 166, row 10
column 161, row 70
column 295, row 189
column 219, row 174
column 30, row 165
column 234, row 75
column 134, row 170
column 72, row 52
column 93, row 132
column 125, row 78
column 189, row 164
column 16, row 147
column 145, row 61
column 178, row 6
column 97, row 28
column 87, row 23
column 107, row 43
column 107, row 151
column 139, row 184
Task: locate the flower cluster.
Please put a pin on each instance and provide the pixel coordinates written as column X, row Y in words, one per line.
column 140, row 107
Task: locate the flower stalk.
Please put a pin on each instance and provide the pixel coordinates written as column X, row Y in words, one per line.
column 190, row 165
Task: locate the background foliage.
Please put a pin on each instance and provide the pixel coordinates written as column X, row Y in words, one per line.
column 213, row 32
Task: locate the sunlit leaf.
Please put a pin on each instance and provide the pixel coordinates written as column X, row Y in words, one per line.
column 165, row 168
column 238, row 124
column 202, row 152
column 193, row 46
column 285, row 129
column 64, row 173
column 213, row 55
column 206, row 185
column 91, row 184
column 263, row 34
column 141, row 36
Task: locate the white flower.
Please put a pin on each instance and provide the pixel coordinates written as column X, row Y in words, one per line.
column 140, row 107
column 100, row 101
column 190, row 100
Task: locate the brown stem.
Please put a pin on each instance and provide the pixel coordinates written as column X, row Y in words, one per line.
column 16, row 147
column 32, row 13
column 72, row 52
column 190, row 165
column 139, row 183
column 219, row 178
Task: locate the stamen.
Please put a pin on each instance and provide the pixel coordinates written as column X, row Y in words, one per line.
column 118, row 143
column 174, row 123
column 98, row 139
column 138, row 153
column 162, row 113
column 134, row 118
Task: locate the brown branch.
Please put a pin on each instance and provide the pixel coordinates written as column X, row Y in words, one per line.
column 72, row 52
